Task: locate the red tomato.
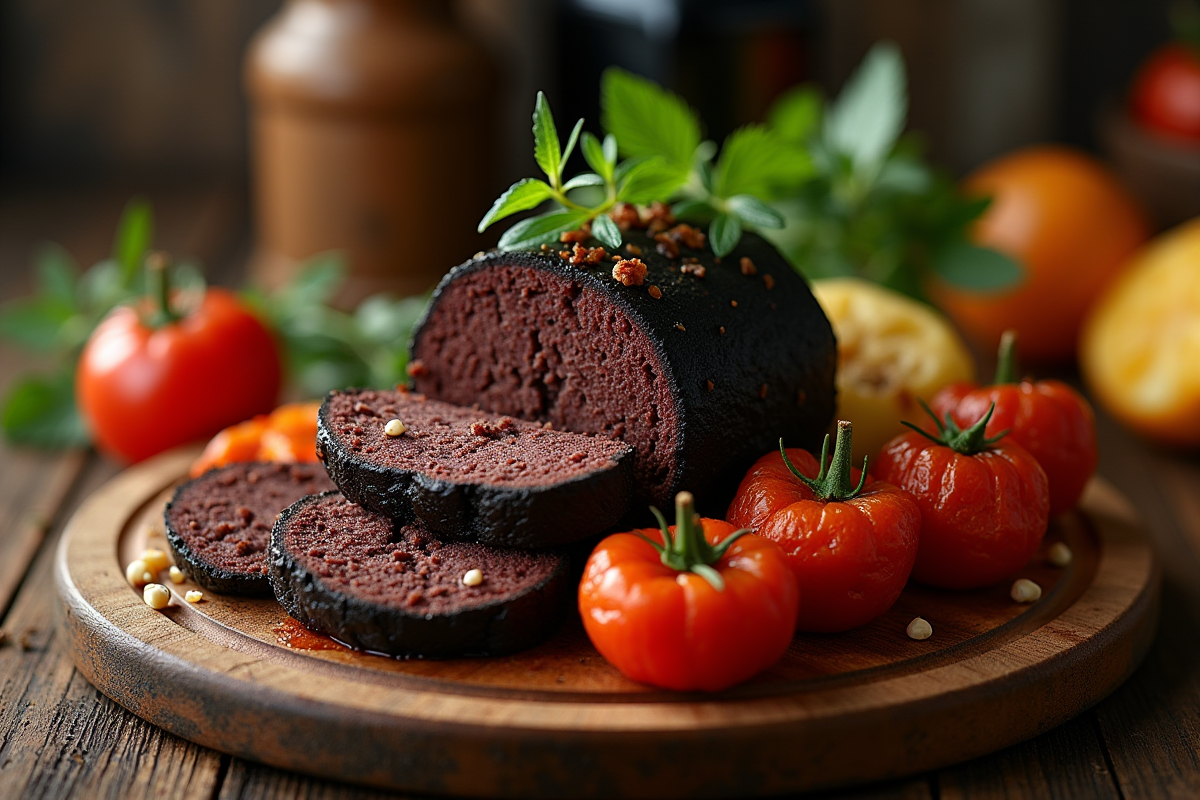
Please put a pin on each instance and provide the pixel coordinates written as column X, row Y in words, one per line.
column 677, row 628
column 1166, row 92
column 851, row 556
column 984, row 504
column 145, row 389
column 1047, row 418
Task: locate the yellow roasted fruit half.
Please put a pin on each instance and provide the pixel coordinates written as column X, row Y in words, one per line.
column 891, row 350
column 1140, row 348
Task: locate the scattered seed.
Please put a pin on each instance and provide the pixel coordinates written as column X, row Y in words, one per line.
column 656, row 292
column 1025, row 591
column 395, row 428
column 721, row 330
column 137, row 574
column 919, row 629
column 473, row 577
column 194, row 596
column 709, row 384
column 679, row 325
column 1060, row 555
column 733, row 303
column 155, row 560
column 769, row 281
column 176, row 574
column 156, row 596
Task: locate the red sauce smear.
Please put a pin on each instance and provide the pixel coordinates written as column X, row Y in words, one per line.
column 291, row 633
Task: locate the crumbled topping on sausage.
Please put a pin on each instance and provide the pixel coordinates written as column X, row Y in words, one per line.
column 581, row 234
column 630, row 271
column 581, row 256
column 656, row 293
column 748, row 267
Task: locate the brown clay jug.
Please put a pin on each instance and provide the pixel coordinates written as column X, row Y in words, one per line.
column 369, row 135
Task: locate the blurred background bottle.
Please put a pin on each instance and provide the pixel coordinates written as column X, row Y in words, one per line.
column 370, row 122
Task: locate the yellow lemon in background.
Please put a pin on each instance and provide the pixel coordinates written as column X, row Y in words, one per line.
column 1140, row 351
column 891, row 350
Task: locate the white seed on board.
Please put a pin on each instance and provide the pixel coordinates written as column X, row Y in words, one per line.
column 395, row 428
column 156, row 596
column 1059, row 555
column 155, row 560
column 473, row 577
column 919, row 629
column 1025, row 591
column 137, row 574
column 194, row 596
column 176, row 574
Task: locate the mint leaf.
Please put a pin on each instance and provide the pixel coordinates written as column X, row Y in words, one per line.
column 610, row 149
column 546, row 150
column 796, row 116
column 646, row 180
column 135, row 235
column 541, row 229
column 755, row 160
column 724, row 233
column 904, row 175
column 593, row 154
column 694, row 210
column 570, row 144
column 606, row 231
column 979, row 269
column 523, row 195
column 647, row 120
column 57, row 274
column 583, row 179
column 40, row 411
column 754, row 212
column 866, row 119
column 33, row 323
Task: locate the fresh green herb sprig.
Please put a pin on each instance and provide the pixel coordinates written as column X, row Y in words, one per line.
column 728, row 193
column 636, row 180
column 871, row 206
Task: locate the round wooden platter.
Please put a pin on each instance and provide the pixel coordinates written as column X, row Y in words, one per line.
column 238, row 676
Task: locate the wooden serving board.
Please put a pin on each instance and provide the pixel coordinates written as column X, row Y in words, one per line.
column 238, row 676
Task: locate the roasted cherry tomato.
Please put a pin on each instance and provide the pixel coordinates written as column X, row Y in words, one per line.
column 1166, row 92
column 150, row 379
column 851, row 549
column 695, row 606
column 984, row 503
column 287, row 434
column 1048, row 418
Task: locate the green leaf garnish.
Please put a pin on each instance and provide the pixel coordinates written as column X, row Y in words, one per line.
column 40, row 411
column 542, row 229
column 648, row 120
column 596, row 157
column 754, row 160
column 584, row 179
column 546, row 149
column 979, row 269
column 523, row 195
column 135, row 233
column 724, row 233
column 752, row 211
column 646, row 180
column 606, row 231
column 868, row 116
column 796, row 115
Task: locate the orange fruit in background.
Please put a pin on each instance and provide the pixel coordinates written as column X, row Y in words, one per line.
column 1072, row 227
column 1140, row 350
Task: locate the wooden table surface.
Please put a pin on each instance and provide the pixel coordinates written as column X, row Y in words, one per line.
column 59, row 737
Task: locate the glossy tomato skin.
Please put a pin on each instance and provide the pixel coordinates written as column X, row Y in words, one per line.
column 851, row 559
column 673, row 629
column 1047, row 418
column 144, row 390
column 1166, row 93
column 982, row 516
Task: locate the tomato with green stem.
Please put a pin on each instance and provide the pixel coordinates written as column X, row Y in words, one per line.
column 1048, row 418
column 984, row 502
column 850, row 541
column 694, row 606
column 153, row 377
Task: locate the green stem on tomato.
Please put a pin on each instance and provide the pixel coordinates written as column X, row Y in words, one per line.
column 688, row 550
column 1006, row 362
column 158, row 275
column 834, row 481
column 967, row 441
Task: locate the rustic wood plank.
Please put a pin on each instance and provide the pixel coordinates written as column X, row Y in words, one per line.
column 911, row 789
column 249, row 781
column 61, row 737
column 1067, row 762
column 1151, row 725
